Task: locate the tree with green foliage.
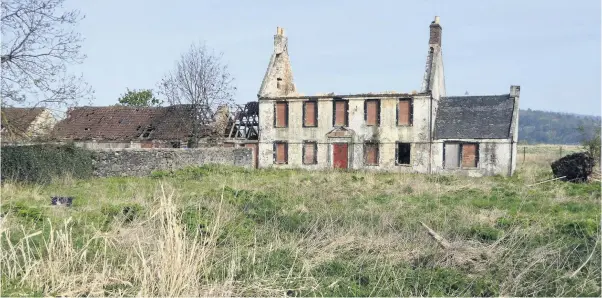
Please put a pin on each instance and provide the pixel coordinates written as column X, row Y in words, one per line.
column 140, row 98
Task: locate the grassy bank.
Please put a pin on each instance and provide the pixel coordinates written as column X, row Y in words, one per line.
column 225, row 231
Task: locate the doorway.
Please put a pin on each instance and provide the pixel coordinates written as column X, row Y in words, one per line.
column 340, row 155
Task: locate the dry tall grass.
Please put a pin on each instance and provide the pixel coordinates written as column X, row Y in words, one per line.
column 305, row 233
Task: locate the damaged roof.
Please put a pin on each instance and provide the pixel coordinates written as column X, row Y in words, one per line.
column 474, row 117
column 123, row 123
column 17, row 121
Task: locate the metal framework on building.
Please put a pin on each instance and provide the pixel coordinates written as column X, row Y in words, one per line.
column 245, row 123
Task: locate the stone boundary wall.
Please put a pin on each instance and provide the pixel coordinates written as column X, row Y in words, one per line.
column 141, row 162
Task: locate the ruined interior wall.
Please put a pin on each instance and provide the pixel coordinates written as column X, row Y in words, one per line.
column 42, row 125
column 141, row 162
column 387, row 134
column 494, row 158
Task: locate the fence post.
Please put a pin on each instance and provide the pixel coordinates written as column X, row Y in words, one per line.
column 524, row 154
column 560, row 147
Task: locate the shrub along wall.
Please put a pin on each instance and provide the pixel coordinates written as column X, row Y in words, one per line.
column 41, row 163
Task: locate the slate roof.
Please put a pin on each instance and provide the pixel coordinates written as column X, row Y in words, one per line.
column 17, row 121
column 122, row 123
column 474, row 117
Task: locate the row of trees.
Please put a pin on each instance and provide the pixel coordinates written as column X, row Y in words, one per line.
column 39, row 43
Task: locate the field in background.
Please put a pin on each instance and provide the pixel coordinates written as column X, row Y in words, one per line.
column 215, row 231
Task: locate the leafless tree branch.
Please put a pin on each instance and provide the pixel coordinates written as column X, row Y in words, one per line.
column 200, row 79
column 38, row 43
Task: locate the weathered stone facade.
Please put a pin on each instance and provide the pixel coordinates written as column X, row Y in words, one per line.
column 141, row 162
column 386, row 131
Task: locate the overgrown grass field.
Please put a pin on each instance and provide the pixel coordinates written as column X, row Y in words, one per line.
column 221, row 231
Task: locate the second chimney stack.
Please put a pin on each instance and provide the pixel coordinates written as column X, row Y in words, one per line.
column 435, row 35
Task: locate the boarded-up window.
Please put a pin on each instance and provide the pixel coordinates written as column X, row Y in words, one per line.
column 310, row 113
column 281, row 114
column 371, row 154
column 372, row 112
column 452, row 155
column 280, row 153
column 469, row 155
column 404, row 112
column 310, row 155
column 403, row 153
column 461, row 155
column 340, row 113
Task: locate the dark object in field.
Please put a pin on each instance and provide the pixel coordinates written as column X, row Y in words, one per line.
column 576, row 167
column 67, row 201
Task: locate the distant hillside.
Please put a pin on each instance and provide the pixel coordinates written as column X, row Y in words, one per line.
column 539, row 127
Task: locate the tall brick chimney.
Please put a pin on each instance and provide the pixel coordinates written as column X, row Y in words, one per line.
column 435, row 38
column 280, row 41
column 434, row 77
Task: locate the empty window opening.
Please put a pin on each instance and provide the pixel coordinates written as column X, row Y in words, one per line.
column 371, row 154
column 405, row 112
column 176, row 144
column 341, row 113
column 461, row 155
column 87, row 128
column 372, row 112
column 310, row 153
column 310, row 114
column 280, row 153
column 278, row 83
column 281, row 114
column 403, row 153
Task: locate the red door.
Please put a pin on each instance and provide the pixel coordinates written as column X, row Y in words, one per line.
column 340, row 155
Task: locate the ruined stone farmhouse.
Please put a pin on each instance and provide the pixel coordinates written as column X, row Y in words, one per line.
column 425, row 132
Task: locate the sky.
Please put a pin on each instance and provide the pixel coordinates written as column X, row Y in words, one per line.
column 550, row 48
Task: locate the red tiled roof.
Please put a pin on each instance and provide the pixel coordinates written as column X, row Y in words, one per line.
column 122, row 123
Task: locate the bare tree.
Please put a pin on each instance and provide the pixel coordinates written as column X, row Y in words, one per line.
column 38, row 43
column 202, row 80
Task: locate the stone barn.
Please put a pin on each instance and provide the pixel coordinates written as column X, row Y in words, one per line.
column 425, row 131
column 26, row 124
column 118, row 127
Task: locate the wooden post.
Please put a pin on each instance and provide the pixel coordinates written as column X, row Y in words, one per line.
column 560, row 147
column 524, row 153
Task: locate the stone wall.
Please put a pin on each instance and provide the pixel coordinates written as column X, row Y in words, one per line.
column 141, row 162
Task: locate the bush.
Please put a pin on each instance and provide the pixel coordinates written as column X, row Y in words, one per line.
column 42, row 163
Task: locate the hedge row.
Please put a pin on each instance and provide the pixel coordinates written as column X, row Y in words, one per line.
column 42, row 163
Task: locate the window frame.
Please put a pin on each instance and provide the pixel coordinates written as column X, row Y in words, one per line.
column 334, row 112
column 411, row 108
column 397, row 163
column 377, row 146
column 275, row 157
column 315, row 160
column 378, row 109
column 461, row 156
column 285, row 114
column 315, row 101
